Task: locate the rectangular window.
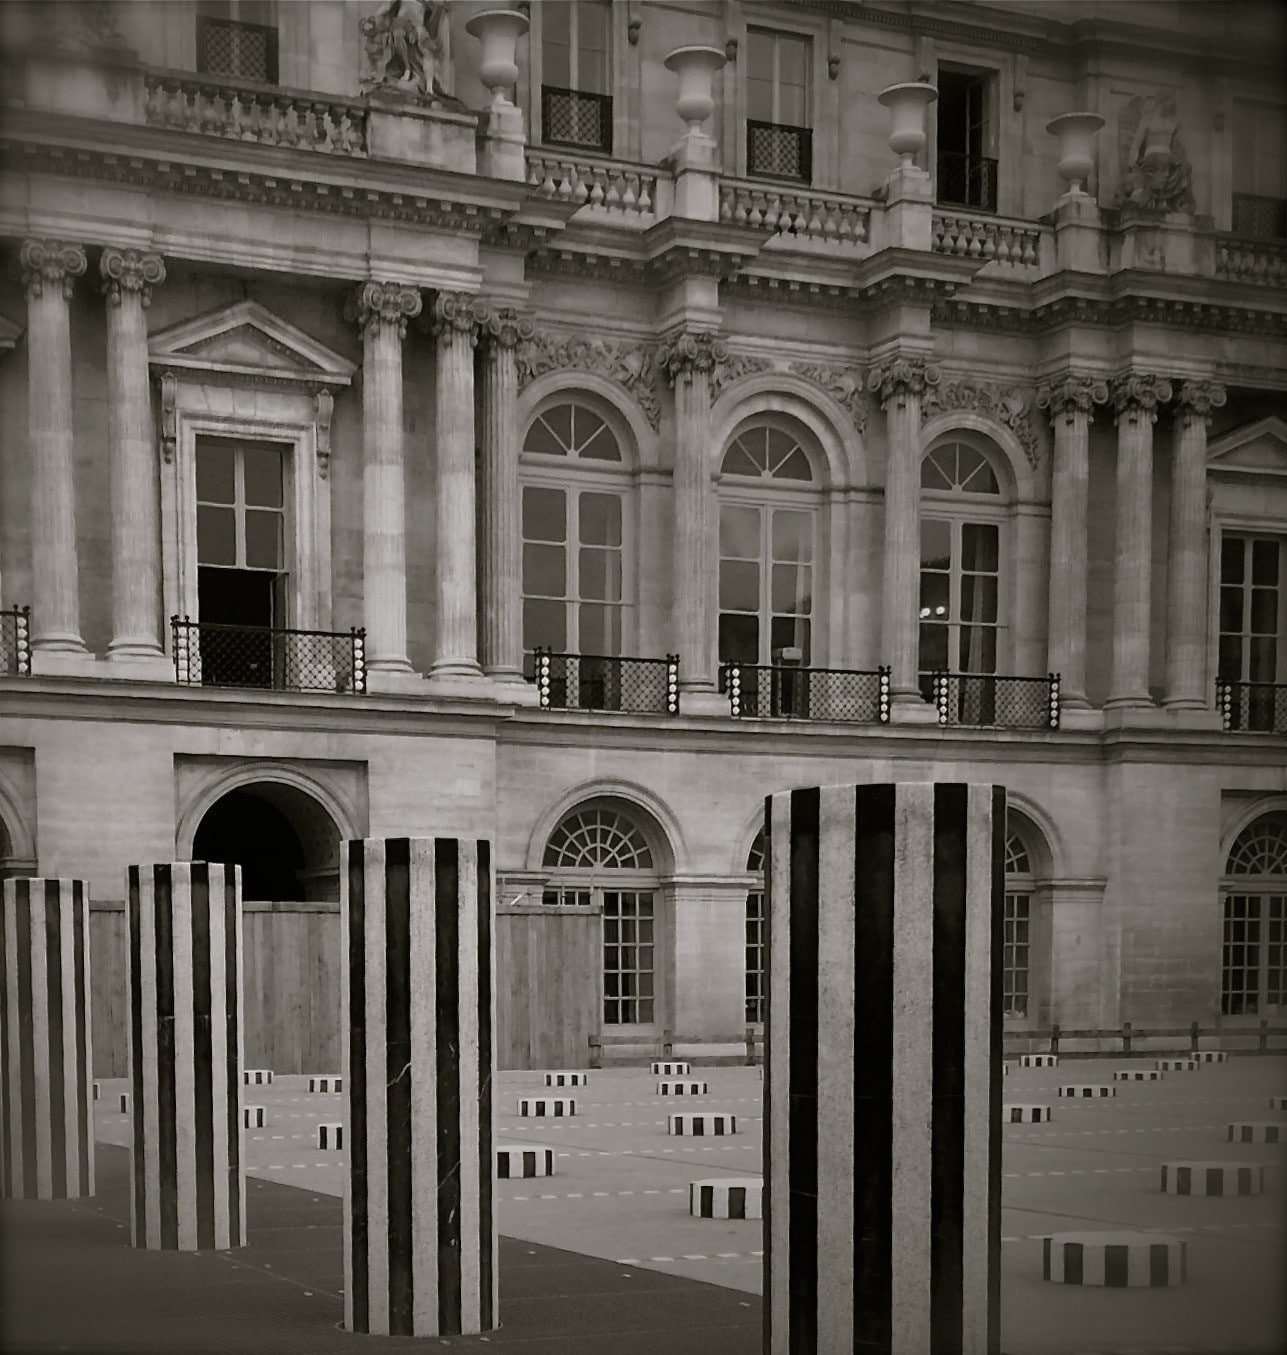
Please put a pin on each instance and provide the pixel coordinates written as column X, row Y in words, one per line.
column 779, row 136
column 576, row 100
column 577, row 898
column 1240, row 958
column 1253, row 623
column 237, row 38
column 966, row 171
column 628, row 957
column 1275, row 951
column 1016, row 941
column 755, row 988
column 959, row 598
column 1259, row 169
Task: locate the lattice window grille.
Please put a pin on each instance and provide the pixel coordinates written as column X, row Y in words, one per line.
column 1261, row 847
column 245, row 51
column 778, row 152
column 598, row 839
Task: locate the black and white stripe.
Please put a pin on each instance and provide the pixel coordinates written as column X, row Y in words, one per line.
column 325, row 1084
column 515, row 1161
column 1114, row 1260
column 702, row 1125
column 186, row 1018
column 1085, row 1090
column 730, row 1197
column 882, row 1138
column 1038, row 1060
column 669, row 1088
column 1211, row 1056
column 1212, row 1178
column 46, row 1115
column 1262, row 1131
column 1185, row 1065
column 1137, row 1075
column 566, row 1079
column 257, row 1077
column 680, row 1069
column 252, row 1117
column 540, row 1107
column 330, row 1137
column 1024, row 1114
column 417, row 1015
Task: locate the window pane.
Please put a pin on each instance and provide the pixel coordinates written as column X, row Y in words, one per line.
column 544, row 625
column 739, row 586
column 792, row 536
column 1230, row 667
column 933, row 652
column 739, row 638
column 1264, row 611
column 215, row 472
column 936, row 544
column 1231, row 609
column 262, row 469
column 544, row 515
column 978, row 649
column 600, row 520
column 600, row 575
column 739, row 532
column 216, row 536
column 791, row 588
column 979, row 546
column 263, row 540
column 1264, row 562
column 789, row 632
column 600, row 629
column 1232, row 551
column 544, row 571
column 978, row 598
column 935, row 591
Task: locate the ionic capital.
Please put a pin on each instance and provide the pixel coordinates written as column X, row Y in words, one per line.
column 130, row 270
column 385, row 305
column 901, row 378
column 1071, row 394
column 1138, row 394
column 1197, row 400
column 458, row 315
column 51, row 261
column 690, row 352
column 506, row 328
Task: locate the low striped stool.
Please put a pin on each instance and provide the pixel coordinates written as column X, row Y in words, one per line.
column 681, row 1089
column 566, row 1079
column 1087, row 1089
column 125, row 1103
column 256, row 1077
column 1185, row 1065
column 1278, row 1103
column 729, row 1197
column 671, row 1069
column 1212, row 1178
column 702, row 1126
column 1263, row 1131
column 541, row 1105
column 1115, row 1260
column 326, row 1084
column 252, row 1117
column 1211, row 1056
column 330, row 1136
column 1137, row 1075
column 1038, row 1060
column 1024, row 1114
column 520, row 1160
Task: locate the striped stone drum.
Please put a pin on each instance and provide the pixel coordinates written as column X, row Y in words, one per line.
column 882, row 1141
column 325, row 1084
column 703, row 1125
column 1114, row 1260
column 519, row 1161
column 123, row 1105
column 1087, row 1091
column 1024, row 1114
column 1184, row 1065
column 680, row 1069
column 561, row 1079
column 418, row 1063
column 1212, row 1178
column 1038, row 1060
column 539, row 1107
column 46, row 1101
column 1264, row 1131
column 252, row 1117
column 1211, row 1056
column 98, row 1090
column 330, row 1137
column 184, row 1037
column 257, row 1077
column 670, row 1088
column 1278, row 1103
column 1137, row 1075
column 727, row 1197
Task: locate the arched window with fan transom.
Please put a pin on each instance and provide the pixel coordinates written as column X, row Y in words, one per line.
column 1253, row 958
column 756, row 934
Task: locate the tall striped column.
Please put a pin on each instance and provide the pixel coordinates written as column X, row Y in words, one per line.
column 418, row 1007
column 47, row 1124
column 187, row 1175
column 882, row 1140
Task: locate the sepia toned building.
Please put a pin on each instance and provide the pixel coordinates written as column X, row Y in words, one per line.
column 569, row 424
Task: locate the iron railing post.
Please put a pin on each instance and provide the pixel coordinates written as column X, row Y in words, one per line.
column 358, row 650
column 542, row 657
column 180, row 636
column 1056, row 709
column 734, row 688
column 1224, row 701
column 672, row 684
column 940, row 680
column 883, row 677
column 22, row 640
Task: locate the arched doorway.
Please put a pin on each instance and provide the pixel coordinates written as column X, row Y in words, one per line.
column 1253, row 953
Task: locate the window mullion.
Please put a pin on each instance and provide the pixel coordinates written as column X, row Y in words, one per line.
column 239, row 506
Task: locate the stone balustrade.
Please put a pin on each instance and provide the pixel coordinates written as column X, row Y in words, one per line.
column 242, row 111
column 1259, row 261
column 1013, row 244
column 829, row 218
column 618, row 187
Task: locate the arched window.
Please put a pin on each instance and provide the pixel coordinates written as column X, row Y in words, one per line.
column 575, row 524
column 598, row 856
column 1017, row 925
column 768, row 547
column 1253, row 967
column 962, row 519
column 756, row 990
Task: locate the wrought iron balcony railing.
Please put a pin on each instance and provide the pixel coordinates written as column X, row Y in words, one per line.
column 15, row 642
column 606, row 682
column 775, row 150
column 573, row 117
column 1258, row 706
column 1259, row 217
column 784, row 692
column 211, row 654
column 991, row 700
column 966, row 180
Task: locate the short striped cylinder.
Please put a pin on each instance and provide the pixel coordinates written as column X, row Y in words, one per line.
column 417, row 1018
column 882, row 1148
column 519, row 1161
column 98, row 1090
column 1088, row 1090
column 1185, row 1065
column 1137, row 1075
column 1211, row 1056
column 1265, row 1131
column 1278, row 1103
column 1005, row 1070
column 537, row 1107
column 1038, row 1060
column 729, row 1197
column 680, row 1069
column 668, row 1088
column 566, row 1079
column 46, row 1106
column 257, row 1077
column 252, row 1117
column 184, row 1036
column 1024, row 1114
column 1212, row 1178
column 124, row 1103
column 330, row 1137
column 325, row 1084
column 1114, row 1260
column 703, row 1125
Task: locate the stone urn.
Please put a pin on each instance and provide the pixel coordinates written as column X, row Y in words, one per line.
column 696, row 67
column 907, row 104
column 1076, row 133
column 498, row 30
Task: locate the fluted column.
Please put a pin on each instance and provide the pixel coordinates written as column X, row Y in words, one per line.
column 383, row 309
column 49, row 272
column 456, row 319
column 1186, row 572
column 1070, row 402
column 128, row 278
column 901, row 383
column 500, row 584
column 688, row 358
column 1135, row 401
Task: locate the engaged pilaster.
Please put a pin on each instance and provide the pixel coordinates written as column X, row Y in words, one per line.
column 128, row 278
column 49, row 272
column 1186, row 575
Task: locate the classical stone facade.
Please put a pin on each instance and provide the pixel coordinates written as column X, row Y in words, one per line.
column 401, row 439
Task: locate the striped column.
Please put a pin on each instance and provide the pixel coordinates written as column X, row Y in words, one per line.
column 416, row 1020
column 184, row 1041
column 882, row 1135
column 47, row 1148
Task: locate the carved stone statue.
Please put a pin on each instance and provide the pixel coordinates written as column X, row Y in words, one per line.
column 1155, row 167
column 407, row 46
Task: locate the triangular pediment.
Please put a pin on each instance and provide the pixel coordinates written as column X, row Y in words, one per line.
column 10, row 333
column 1257, row 449
column 248, row 341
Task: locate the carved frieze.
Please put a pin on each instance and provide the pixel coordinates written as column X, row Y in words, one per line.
column 1197, row 399
column 691, row 351
column 630, row 366
column 50, row 261
column 843, row 384
column 130, row 270
column 902, row 378
column 1071, row 394
column 1138, row 394
column 1009, row 406
column 385, row 305
column 733, row 367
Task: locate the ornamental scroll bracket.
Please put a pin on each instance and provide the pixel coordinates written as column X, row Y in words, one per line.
column 169, row 415
column 630, row 366
column 324, row 407
column 1009, row 406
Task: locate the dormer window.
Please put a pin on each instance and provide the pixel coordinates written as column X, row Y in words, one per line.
column 237, row 38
